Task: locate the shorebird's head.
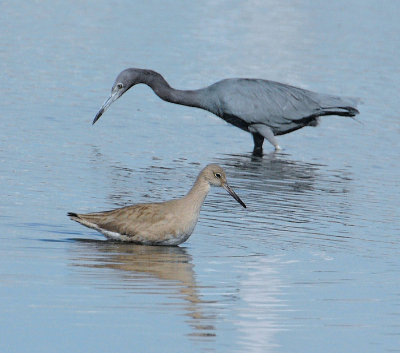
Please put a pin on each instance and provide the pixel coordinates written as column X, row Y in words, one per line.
column 215, row 176
column 124, row 81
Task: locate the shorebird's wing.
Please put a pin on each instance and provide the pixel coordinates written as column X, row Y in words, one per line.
column 129, row 221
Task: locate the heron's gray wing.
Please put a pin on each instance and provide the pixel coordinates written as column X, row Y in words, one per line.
column 279, row 106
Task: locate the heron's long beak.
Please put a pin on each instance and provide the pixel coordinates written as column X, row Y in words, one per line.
column 114, row 96
column 233, row 194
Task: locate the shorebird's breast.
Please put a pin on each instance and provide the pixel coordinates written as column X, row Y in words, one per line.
column 182, row 229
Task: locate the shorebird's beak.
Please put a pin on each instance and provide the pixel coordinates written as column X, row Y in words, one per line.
column 114, row 96
column 233, row 194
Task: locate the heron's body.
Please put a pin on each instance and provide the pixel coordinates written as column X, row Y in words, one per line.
column 163, row 223
column 263, row 108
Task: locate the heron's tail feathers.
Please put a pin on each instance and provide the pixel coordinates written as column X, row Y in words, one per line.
column 333, row 105
column 343, row 111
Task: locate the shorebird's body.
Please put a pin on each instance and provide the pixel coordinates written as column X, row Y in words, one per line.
column 164, row 223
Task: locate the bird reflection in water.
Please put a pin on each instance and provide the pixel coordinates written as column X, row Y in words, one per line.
column 171, row 266
column 274, row 169
column 291, row 202
column 279, row 172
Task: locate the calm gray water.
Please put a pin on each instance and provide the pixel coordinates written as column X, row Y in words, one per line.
column 312, row 265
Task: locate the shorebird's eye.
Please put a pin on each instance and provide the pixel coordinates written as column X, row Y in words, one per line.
column 217, row 175
column 120, row 85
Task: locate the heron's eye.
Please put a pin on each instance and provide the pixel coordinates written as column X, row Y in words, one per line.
column 217, row 175
column 120, row 85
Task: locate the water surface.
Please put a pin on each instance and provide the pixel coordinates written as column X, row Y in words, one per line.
column 312, row 265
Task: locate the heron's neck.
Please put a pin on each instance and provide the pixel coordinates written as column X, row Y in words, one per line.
column 162, row 89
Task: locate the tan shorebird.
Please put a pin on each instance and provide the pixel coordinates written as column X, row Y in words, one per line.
column 161, row 223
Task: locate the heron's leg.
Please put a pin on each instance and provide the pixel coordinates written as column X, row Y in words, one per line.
column 266, row 132
column 258, row 143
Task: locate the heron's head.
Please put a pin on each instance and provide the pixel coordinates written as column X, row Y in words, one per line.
column 216, row 176
column 125, row 80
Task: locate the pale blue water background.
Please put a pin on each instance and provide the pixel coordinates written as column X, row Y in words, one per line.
column 312, row 265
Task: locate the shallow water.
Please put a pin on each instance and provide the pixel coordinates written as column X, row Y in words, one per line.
column 311, row 265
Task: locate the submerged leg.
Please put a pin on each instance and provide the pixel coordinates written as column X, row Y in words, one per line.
column 258, row 143
column 266, row 132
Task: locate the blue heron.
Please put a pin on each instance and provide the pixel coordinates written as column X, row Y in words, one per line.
column 264, row 108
